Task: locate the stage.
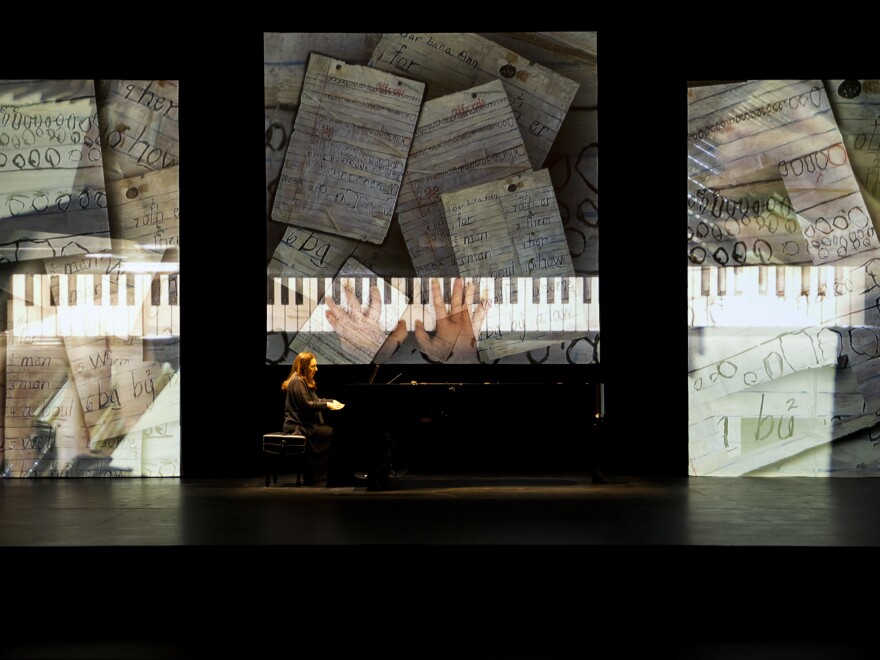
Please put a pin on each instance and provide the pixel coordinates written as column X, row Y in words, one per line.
column 441, row 566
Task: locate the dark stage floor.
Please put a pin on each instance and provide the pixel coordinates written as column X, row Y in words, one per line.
column 442, row 566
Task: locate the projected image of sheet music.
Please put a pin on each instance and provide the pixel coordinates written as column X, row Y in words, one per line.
column 459, row 125
column 90, row 281
column 783, row 266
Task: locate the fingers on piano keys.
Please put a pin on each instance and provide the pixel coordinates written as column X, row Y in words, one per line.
column 563, row 304
column 95, row 305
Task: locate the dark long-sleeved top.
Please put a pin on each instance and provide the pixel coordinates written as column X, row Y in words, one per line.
column 302, row 407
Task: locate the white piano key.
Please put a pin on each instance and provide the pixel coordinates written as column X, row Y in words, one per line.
column 492, row 323
column 135, row 309
column 417, row 310
column 34, row 311
column 290, row 321
column 557, row 323
column 398, row 285
column 570, row 310
column 88, row 311
column 150, row 311
column 330, row 291
column 118, row 308
column 858, row 300
column 432, row 304
column 277, row 308
column 49, row 323
column 164, row 306
column 19, row 306
column 62, row 311
column 102, row 304
column 310, row 302
column 76, row 312
column 593, row 304
column 843, row 304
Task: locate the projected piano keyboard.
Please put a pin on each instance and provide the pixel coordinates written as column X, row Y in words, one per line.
column 95, row 305
column 780, row 296
column 544, row 304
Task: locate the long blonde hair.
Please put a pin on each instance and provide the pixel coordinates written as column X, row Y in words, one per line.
column 301, row 366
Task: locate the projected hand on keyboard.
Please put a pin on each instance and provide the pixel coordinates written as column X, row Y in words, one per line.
column 454, row 339
column 359, row 328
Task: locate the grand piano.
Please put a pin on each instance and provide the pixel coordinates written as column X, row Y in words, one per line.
column 459, row 422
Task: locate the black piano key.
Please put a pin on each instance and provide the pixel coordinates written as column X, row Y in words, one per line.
column 155, row 298
column 588, row 290
column 298, row 292
column 29, row 290
column 172, row 289
column 129, row 291
column 98, row 288
column 564, row 294
column 337, row 291
column 55, row 290
column 426, row 290
column 514, row 291
column 359, row 292
column 410, row 293
column 320, row 292
column 447, row 289
column 386, row 293
column 551, row 290
column 270, row 291
column 285, row 292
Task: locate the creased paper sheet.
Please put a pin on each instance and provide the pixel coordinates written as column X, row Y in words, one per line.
column 453, row 62
column 145, row 210
column 755, row 131
column 504, row 231
column 139, row 126
column 346, row 157
column 462, row 139
column 52, row 198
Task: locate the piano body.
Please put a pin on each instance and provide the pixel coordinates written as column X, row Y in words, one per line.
column 470, row 427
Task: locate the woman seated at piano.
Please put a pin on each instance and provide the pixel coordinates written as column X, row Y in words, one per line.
column 304, row 414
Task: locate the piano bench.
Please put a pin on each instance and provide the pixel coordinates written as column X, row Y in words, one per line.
column 277, row 446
